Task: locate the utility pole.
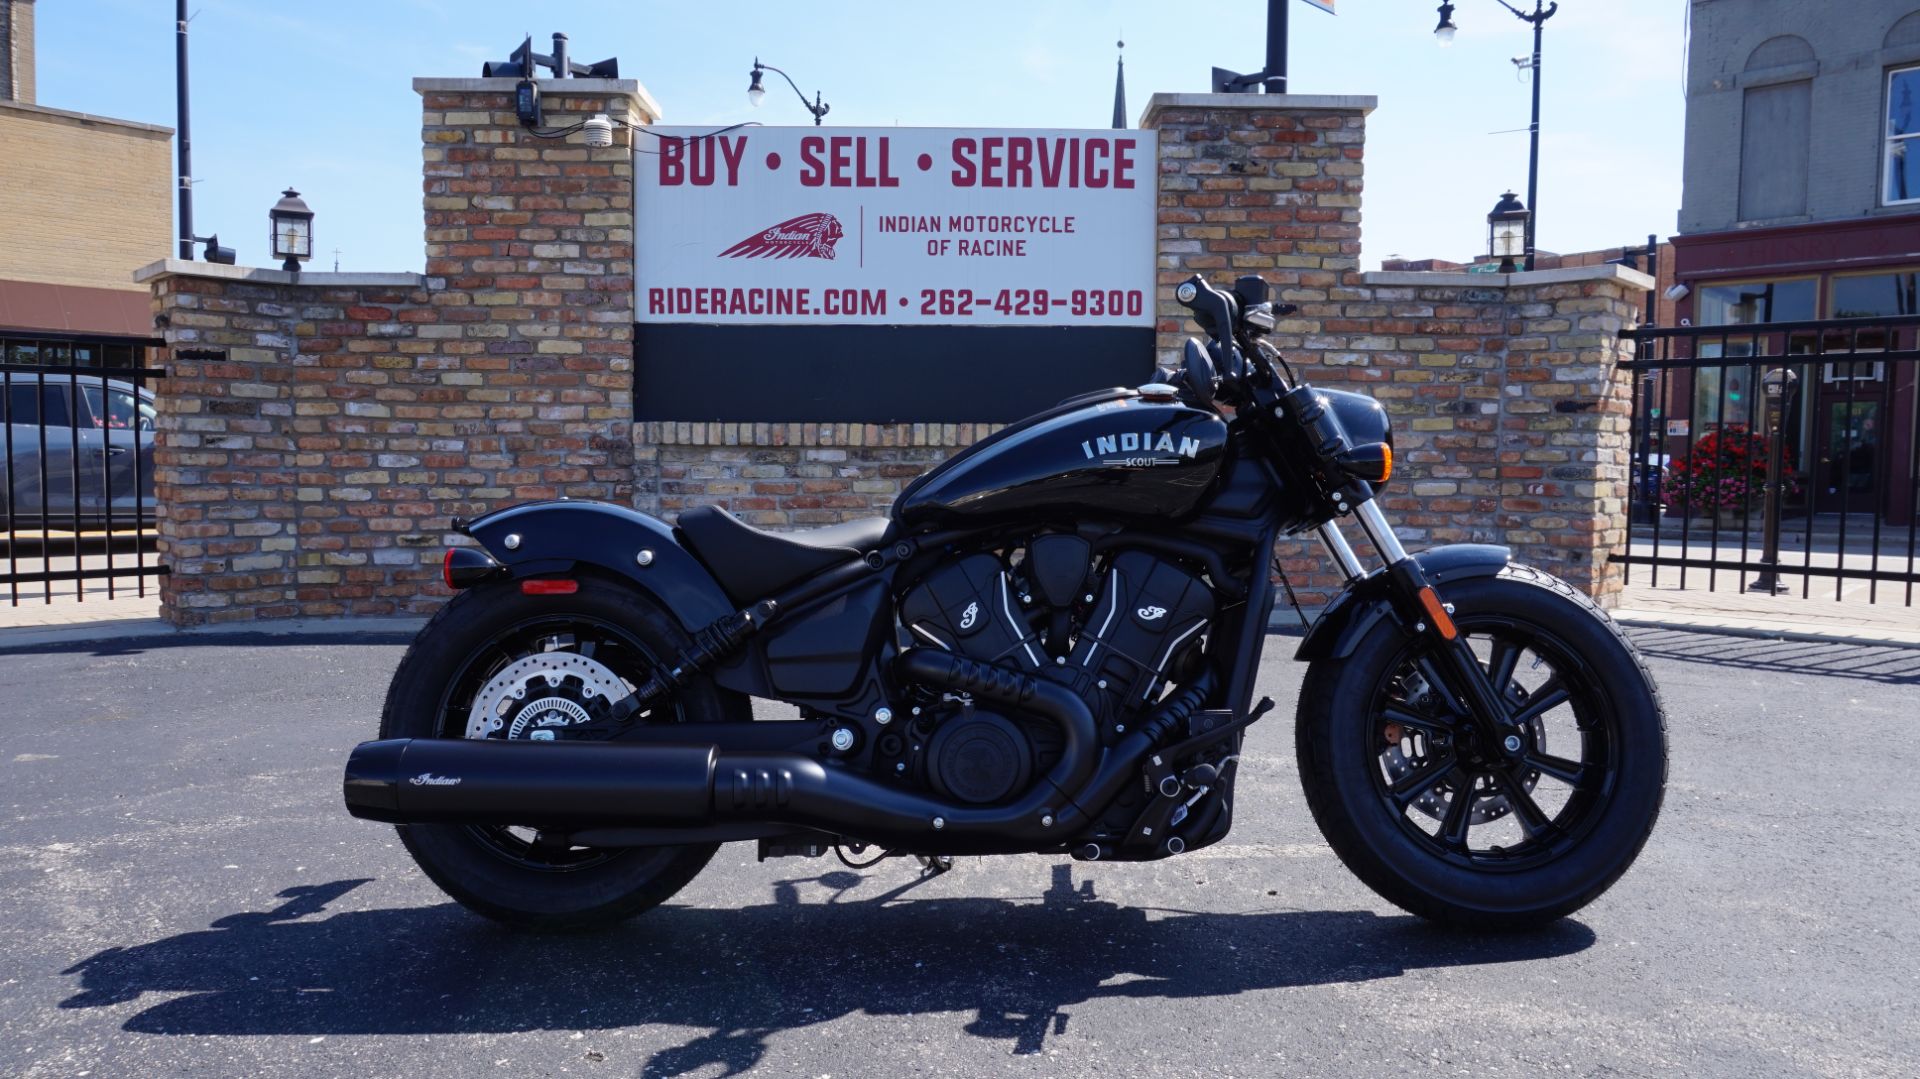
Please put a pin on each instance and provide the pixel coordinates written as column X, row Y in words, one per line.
column 183, row 134
column 1538, row 19
column 1277, row 46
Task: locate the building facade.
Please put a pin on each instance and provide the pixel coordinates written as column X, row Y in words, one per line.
column 1801, row 203
column 84, row 201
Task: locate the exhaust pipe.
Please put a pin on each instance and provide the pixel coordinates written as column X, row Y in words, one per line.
column 560, row 784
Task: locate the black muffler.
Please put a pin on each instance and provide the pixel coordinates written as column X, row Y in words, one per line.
column 609, row 784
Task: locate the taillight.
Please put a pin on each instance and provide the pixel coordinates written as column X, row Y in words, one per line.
column 464, row 567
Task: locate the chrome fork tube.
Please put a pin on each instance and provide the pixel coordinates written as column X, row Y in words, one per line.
column 1341, row 551
column 1379, row 531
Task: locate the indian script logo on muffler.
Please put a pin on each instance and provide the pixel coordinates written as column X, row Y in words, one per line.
column 428, row 779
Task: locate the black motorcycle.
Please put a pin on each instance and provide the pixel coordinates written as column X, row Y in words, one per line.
column 1050, row 646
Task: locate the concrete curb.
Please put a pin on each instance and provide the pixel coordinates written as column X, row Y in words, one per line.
column 1795, row 631
column 155, row 630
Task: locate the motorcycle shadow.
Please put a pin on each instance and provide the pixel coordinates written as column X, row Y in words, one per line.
column 743, row 975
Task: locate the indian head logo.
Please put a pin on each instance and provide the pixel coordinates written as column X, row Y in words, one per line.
column 807, row 236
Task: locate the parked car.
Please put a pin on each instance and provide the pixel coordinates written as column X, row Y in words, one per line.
column 77, row 446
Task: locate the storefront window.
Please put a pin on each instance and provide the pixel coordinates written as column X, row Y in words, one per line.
column 1757, row 301
column 1869, row 295
column 1726, row 395
column 1903, row 125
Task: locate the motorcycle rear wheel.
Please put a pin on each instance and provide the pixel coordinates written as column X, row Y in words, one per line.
column 1454, row 831
column 501, row 872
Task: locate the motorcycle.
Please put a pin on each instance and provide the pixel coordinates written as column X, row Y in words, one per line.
column 1049, row 646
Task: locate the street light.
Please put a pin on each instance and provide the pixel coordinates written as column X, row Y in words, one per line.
column 757, row 93
column 292, row 233
column 1542, row 11
column 1507, row 231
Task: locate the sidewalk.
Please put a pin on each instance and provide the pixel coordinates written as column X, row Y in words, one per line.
column 1819, row 617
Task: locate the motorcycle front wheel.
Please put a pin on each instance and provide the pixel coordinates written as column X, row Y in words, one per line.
column 1453, row 830
column 498, row 663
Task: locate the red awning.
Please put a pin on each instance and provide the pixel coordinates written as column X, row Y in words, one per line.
column 75, row 309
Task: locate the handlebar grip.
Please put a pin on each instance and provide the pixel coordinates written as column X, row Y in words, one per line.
column 1212, row 309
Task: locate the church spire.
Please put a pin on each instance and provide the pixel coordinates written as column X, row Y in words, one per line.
column 1120, row 88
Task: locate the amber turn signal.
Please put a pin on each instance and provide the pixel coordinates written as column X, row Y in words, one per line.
column 1372, row 462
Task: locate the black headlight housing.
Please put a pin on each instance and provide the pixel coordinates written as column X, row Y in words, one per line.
column 1369, row 436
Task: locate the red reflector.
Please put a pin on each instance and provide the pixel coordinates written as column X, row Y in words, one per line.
column 548, row 586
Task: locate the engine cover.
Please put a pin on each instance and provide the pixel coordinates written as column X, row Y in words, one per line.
column 969, row 607
column 979, row 758
column 1149, row 612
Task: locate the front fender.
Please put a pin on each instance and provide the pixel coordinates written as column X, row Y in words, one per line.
column 1355, row 611
column 555, row 536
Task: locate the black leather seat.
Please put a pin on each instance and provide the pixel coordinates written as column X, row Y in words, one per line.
column 751, row 564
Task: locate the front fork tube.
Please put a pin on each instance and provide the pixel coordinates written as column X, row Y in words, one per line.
column 1420, row 605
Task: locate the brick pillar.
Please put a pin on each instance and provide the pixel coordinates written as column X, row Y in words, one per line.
column 533, row 240
column 312, row 462
column 1257, row 183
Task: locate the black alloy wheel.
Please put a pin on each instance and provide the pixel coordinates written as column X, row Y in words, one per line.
column 1436, row 811
column 1478, row 803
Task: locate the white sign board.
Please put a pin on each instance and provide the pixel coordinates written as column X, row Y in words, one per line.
column 895, row 226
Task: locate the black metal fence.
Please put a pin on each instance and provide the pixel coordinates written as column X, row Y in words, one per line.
column 76, row 467
column 1777, row 457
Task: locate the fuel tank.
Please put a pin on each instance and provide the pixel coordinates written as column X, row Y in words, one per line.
column 1108, row 454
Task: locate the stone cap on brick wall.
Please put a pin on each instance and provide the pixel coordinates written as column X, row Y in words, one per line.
column 259, row 275
column 631, row 88
column 1158, row 103
column 1606, row 271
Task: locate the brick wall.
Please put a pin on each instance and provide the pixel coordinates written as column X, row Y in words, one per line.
column 315, row 468
column 788, row 475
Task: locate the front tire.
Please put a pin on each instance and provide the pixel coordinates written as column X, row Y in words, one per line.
column 1448, row 830
column 499, row 871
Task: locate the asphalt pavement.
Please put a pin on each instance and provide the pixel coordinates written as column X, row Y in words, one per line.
column 181, row 893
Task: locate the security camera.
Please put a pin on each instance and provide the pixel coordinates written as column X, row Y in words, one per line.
column 1678, row 292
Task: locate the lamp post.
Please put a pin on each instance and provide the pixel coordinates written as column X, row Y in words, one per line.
column 1507, row 231
column 757, row 93
column 1542, row 11
column 1780, row 384
column 292, row 231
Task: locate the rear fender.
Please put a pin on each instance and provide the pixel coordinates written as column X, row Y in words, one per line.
column 539, row 538
column 1355, row 611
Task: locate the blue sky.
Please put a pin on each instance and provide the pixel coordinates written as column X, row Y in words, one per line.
column 318, row 94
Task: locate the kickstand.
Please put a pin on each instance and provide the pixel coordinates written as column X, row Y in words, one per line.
column 932, row 865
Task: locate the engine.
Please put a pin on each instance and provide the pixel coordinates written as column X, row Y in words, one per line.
column 1117, row 628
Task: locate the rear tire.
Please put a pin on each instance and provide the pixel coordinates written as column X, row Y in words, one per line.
column 589, row 889
column 1361, row 786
